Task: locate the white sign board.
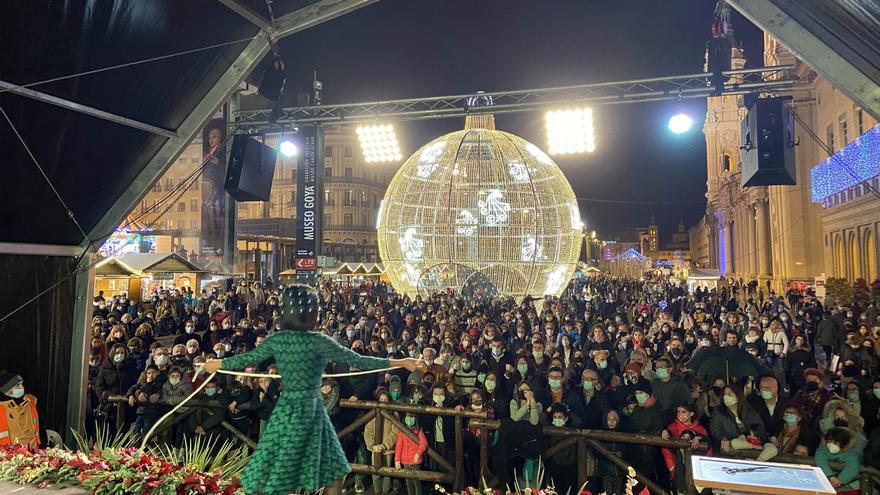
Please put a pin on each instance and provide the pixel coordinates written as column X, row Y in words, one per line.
column 747, row 476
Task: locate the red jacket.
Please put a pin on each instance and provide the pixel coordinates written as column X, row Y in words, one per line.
column 405, row 450
column 675, row 429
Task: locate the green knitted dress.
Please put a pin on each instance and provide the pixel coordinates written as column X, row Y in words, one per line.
column 298, row 450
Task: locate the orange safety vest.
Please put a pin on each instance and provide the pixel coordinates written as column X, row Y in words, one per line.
column 4, row 421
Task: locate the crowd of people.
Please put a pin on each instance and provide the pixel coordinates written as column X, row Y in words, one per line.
column 610, row 354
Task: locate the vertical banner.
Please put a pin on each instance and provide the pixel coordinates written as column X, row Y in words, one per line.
column 213, row 215
column 308, row 210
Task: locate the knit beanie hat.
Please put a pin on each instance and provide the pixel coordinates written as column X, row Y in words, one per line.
column 8, row 380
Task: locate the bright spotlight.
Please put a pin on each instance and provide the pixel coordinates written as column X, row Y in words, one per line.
column 570, row 131
column 680, row 123
column 379, row 143
column 287, row 148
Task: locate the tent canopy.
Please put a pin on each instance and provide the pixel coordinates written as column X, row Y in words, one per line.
column 104, row 137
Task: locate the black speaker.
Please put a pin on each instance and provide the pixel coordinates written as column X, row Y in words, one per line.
column 768, row 144
column 251, row 167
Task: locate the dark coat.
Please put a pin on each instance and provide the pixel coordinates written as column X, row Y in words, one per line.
column 115, row 380
column 772, row 422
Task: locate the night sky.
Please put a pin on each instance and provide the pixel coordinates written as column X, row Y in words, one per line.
column 411, row 48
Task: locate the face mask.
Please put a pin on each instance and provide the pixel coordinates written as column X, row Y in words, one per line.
column 429, row 362
column 641, row 397
column 414, row 354
column 410, row 421
column 235, row 393
column 729, row 400
column 395, row 394
column 349, row 333
column 481, row 377
column 192, row 350
column 751, row 339
column 833, row 448
column 118, row 358
column 497, row 351
column 476, row 406
column 220, row 353
column 558, row 422
column 853, row 397
column 190, row 329
column 210, row 392
column 877, row 393
column 811, row 386
column 554, row 383
column 602, row 365
column 841, row 423
column 174, row 381
column 490, row 385
column 588, row 385
column 161, row 360
column 522, row 368
column 438, row 399
column 538, row 354
column 766, row 394
column 662, row 373
column 465, row 366
column 17, row 393
column 227, row 326
column 790, row 418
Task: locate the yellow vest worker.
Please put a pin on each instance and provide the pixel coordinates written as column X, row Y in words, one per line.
column 19, row 421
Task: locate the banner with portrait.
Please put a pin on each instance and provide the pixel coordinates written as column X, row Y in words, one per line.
column 213, row 217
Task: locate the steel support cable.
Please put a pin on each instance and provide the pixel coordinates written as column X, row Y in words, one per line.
column 179, row 188
column 129, row 64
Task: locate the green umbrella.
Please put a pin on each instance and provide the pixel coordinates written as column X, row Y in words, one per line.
column 726, row 361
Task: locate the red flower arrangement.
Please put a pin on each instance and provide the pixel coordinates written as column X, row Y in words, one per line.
column 127, row 471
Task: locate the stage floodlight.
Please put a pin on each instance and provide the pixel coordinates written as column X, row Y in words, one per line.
column 680, row 123
column 287, row 148
column 379, row 143
column 570, row 131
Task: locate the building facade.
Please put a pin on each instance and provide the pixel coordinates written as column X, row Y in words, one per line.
column 778, row 234
column 266, row 231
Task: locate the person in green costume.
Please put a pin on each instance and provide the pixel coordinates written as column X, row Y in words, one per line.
column 299, row 450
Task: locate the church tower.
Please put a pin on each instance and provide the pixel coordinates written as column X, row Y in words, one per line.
column 731, row 210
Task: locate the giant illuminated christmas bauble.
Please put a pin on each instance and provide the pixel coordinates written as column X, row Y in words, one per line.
column 481, row 211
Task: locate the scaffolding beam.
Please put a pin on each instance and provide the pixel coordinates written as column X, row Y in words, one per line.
column 249, row 57
column 825, row 36
column 745, row 81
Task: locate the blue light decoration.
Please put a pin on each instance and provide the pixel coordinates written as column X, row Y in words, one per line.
column 863, row 158
column 722, row 251
column 631, row 255
column 662, row 304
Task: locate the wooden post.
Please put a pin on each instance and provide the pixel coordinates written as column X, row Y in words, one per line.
column 357, row 423
column 377, row 439
column 484, row 453
column 653, row 487
column 120, row 415
column 688, row 471
column 239, row 435
column 459, row 455
column 582, row 461
column 559, row 447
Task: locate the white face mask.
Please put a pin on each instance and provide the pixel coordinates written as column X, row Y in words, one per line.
column 174, row 381
column 118, row 358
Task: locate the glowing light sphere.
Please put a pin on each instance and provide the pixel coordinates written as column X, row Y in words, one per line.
column 482, row 209
column 680, row 123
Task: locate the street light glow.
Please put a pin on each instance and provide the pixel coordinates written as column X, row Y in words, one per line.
column 570, row 131
column 287, row 148
column 379, row 143
column 680, row 123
